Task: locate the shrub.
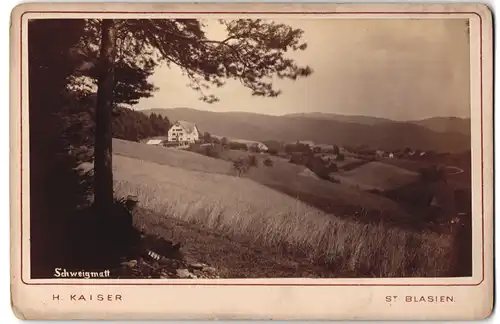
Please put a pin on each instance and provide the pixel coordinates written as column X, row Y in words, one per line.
column 237, row 146
column 240, row 166
column 272, row 151
column 268, row 162
column 297, row 147
column 299, row 158
column 317, row 166
column 332, row 167
column 336, row 150
column 252, row 161
column 433, row 173
column 254, row 148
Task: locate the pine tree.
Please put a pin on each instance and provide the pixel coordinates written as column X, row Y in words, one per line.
column 252, row 53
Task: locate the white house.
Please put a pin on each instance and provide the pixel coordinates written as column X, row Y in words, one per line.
column 183, row 132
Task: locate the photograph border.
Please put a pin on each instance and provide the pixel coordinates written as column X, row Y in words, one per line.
column 216, row 282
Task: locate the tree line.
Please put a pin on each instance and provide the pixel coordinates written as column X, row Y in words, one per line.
column 133, row 125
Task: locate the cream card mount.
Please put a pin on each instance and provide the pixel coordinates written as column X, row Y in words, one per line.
column 263, row 161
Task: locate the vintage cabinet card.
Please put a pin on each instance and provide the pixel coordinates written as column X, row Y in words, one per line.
column 237, row 161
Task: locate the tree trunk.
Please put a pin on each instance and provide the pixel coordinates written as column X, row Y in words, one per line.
column 103, row 179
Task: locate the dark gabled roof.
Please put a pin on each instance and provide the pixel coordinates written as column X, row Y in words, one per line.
column 188, row 126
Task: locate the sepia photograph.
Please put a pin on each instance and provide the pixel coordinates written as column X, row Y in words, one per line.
column 186, row 148
column 224, row 148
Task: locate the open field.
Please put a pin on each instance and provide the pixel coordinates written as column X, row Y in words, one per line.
column 458, row 167
column 330, row 197
column 377, row 175
column 169, row 156
column 245, row 210
column 285, row 177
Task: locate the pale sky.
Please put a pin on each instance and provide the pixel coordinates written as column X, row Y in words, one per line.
column 397, row 69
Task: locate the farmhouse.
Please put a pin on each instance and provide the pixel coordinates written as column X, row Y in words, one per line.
column 250, row 145
column 183, row 132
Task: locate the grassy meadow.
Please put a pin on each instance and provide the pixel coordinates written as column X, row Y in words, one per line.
column 377, row 175
column 246, row 210
column 285, row 177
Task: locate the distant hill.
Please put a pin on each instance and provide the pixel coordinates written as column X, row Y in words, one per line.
column 368, row 120
column 437, row 124
column 348, row 130
column 446, row 124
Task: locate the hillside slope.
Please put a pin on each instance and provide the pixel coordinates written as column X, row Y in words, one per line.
column 245, row 211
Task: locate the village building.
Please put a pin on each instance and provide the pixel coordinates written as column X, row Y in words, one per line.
column 183, row 133
column 250, row 145
column 324, row 148
column 310, row 143
column 257, row 146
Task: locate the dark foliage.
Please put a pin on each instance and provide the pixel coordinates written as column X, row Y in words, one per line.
column 332, row 167
column 273, row 147
column 299, row 158
column 238, row 146
column 55, row 187
column 98, row 242
column 297, row 147
column 272, row 151
column 268, row 162
column 336, row 150
column 133, row 125
column 316, row 165
column 433, row 173
column 253, row 50
column 206, row 138
column 253, row 161
column 240, row 166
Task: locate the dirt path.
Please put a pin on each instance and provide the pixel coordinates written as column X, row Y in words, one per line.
column 455, row 170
